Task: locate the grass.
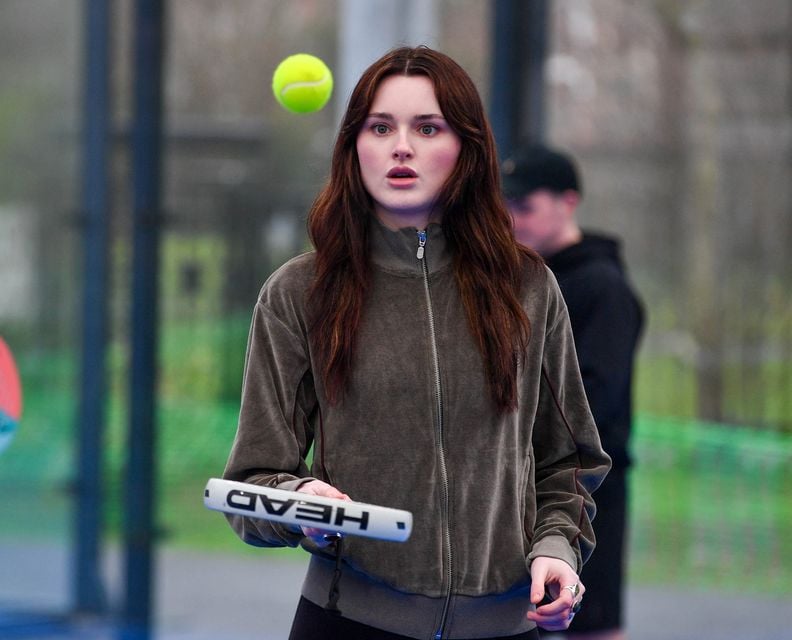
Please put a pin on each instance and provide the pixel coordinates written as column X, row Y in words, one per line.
column 758, row 394
column 710, row 506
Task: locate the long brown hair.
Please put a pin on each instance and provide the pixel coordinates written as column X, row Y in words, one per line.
column 489, row 265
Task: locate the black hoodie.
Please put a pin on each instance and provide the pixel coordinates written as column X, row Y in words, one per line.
column 607, row 318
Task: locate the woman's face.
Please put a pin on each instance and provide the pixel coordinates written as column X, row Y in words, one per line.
column 406, row 151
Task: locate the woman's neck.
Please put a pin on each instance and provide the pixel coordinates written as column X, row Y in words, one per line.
column 396, row 221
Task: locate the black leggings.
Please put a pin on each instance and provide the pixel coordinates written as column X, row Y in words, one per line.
column 312, row 622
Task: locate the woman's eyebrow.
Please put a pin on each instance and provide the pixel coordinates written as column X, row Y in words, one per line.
column 419, row 118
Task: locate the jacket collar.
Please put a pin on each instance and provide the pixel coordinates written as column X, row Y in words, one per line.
column 397, row 251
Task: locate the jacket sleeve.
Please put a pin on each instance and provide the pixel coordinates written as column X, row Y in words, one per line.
column 274, row 432
column 569, row 460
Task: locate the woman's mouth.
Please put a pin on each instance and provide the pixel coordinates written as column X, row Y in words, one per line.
column 401, row 176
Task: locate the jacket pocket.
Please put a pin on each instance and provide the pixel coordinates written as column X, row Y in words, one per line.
column 528, row 501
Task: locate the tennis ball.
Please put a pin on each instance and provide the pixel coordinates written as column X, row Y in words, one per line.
column 302, row 83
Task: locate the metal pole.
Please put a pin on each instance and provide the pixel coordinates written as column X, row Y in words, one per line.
column 139, row 526
column 517, row 95
column 533, row 124
column 505, row 74
column 89, row 590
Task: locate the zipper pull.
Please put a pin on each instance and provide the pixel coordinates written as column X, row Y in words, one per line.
column 421, row 244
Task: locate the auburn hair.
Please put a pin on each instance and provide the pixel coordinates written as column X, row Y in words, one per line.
column 489, row 265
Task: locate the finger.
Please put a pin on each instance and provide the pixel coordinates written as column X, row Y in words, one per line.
column 538, row 578
column 550, row 623
column 555, row 614
column 570, row 593
column 558, row 607
column 319, row 488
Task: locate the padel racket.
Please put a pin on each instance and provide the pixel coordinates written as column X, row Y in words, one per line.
column 302, row 509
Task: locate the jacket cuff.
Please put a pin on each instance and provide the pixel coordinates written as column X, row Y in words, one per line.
column 293, row 485
column 554, row 547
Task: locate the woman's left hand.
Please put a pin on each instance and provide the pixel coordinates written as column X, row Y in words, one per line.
column 558, row 580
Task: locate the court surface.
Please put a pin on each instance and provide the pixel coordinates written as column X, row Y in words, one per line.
column 252, row 597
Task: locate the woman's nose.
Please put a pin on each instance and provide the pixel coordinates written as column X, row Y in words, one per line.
column 402, row 149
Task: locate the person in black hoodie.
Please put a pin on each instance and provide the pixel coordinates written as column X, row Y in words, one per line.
column 543, row 189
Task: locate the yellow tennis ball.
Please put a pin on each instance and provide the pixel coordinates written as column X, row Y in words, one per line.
column 302, row 83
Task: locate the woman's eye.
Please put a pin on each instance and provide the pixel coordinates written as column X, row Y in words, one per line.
column 380, row 129
column 428, row 129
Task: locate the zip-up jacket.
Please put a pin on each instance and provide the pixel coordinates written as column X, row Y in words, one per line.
column 416, row 429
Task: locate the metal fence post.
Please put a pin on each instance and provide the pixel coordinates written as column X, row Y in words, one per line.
column 89, row 590
column 139, row 525
column 517, row 93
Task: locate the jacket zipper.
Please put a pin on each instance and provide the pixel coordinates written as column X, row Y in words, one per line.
column 443, row 469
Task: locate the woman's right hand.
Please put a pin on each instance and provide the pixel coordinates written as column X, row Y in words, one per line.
column 319, row 488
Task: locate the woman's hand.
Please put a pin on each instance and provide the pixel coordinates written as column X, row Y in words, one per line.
column 556, row 579
column 321, row 537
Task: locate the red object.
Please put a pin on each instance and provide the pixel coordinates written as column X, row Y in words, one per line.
column 10, row 387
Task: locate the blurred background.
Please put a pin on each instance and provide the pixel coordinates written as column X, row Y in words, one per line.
column 129, row 270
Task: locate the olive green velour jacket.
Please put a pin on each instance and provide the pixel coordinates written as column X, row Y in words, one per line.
column 416, row 429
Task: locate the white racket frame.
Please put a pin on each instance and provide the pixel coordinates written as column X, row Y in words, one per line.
column 302, row 509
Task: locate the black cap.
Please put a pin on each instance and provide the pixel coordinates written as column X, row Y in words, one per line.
column 537, row 167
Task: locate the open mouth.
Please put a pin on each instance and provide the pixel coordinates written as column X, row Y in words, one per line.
column 401, row 173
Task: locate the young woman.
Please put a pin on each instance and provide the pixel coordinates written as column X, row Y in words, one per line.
column 428, row 360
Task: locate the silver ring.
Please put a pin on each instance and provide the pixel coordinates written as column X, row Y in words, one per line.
column 574, row 588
